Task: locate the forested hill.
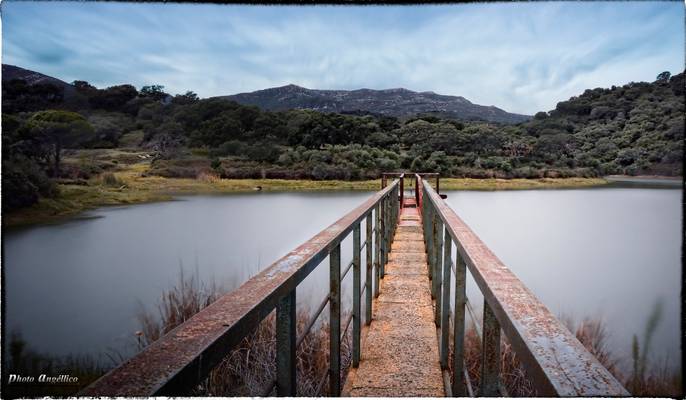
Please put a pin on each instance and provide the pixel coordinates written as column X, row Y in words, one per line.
column 637, row 128
column 400, row 103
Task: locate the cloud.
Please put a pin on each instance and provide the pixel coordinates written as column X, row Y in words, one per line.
column 521, row 57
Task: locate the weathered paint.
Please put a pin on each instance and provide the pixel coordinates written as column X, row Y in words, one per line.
column 368, row 275
column 185, row 355
column 459, row 329
column 555, row 360
column 400, row 354
column 285, row 346
column 490, row 355
column 438, row 265
column 445, row 310
column 357, row 282
column 335, row 321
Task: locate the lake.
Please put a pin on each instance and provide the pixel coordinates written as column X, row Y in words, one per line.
column 77, row 286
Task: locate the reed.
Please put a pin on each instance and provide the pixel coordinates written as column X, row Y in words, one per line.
column 250, row 368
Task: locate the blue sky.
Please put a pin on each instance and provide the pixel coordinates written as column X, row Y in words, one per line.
column 522, row 57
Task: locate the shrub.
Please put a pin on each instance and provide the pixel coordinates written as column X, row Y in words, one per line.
column 24, row 182
column 109, row 179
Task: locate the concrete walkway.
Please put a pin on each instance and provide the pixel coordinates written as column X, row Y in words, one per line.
column 400, row 347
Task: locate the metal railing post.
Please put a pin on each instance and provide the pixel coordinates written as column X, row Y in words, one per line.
column 459, row 389
column 382, row 229
column 285, row 346
column 377, row 249
column 445, row 310
column 490, row 356
column 416, row 189
column 429, row 242
column 387, row 231
column 437, row 277
column 368, row 276
column 357, row 282
column 430, row 247
column 402, row 188
column 335, row 321
column 396, row 211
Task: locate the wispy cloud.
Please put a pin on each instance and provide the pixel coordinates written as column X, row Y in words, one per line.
column 522, row 57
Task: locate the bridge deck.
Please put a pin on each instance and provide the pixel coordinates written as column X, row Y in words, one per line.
column 400, row 347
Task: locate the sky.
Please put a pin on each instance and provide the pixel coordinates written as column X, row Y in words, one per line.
column 522, row 57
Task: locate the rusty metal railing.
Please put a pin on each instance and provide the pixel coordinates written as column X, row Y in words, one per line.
column 176, row 363
column 556, row 362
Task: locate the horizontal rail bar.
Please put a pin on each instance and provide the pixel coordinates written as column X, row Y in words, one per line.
column 186, row 354
column 556, row 361
column 472, row 315
column 470, row 389
column 346, row 270
column 312, row 320
column 321, row 383
column 347, row 325
column 446, row 383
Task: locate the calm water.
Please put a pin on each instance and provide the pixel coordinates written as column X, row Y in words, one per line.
column 613, row 254
column 76, row 287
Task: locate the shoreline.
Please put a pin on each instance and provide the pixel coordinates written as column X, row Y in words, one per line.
column 654, row 180
column 136, row 189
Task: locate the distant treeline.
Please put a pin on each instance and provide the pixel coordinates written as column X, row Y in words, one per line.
column 634, row 129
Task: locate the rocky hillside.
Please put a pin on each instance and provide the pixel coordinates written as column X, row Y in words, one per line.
column 392, row 102
column 10, row 72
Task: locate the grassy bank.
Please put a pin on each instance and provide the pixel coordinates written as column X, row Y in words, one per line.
column 517, row 184
column 130, row 185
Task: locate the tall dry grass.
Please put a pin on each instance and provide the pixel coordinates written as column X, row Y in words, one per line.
column 651, row 380
column 250, row 368
column 176, row 305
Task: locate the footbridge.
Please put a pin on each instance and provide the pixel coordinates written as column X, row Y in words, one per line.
column 411, row 254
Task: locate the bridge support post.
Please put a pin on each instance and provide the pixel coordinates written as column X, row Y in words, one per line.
column 389, row 223
column 490, row 356
column 429, row 243
column 459, row 389
column 335, row 321
column 437, row 278
column 357, row 283
column 285, row 346
column 402, row 189
column 390, row 226
column 445, row 310
column 377, row 249
column 368, row 275
column 382, row 229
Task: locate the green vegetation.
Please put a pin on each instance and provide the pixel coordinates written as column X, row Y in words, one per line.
column 117, row 177
column 634, row 129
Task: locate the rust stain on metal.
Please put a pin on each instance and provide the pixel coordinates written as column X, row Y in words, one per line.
column 556, row 361
column 173, row 364
column 400, row 350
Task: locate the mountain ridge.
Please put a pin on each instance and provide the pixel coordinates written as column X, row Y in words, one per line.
column 397, row 102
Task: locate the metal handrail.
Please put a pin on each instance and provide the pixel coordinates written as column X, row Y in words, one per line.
column 184, row 356
column 556, row 362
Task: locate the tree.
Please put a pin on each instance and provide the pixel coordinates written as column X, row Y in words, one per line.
column 155, row 92
column 58, row 129
column 663, row 77
column 18, row 95
column 186, row 98
column 83, row 86
column 113, row 98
